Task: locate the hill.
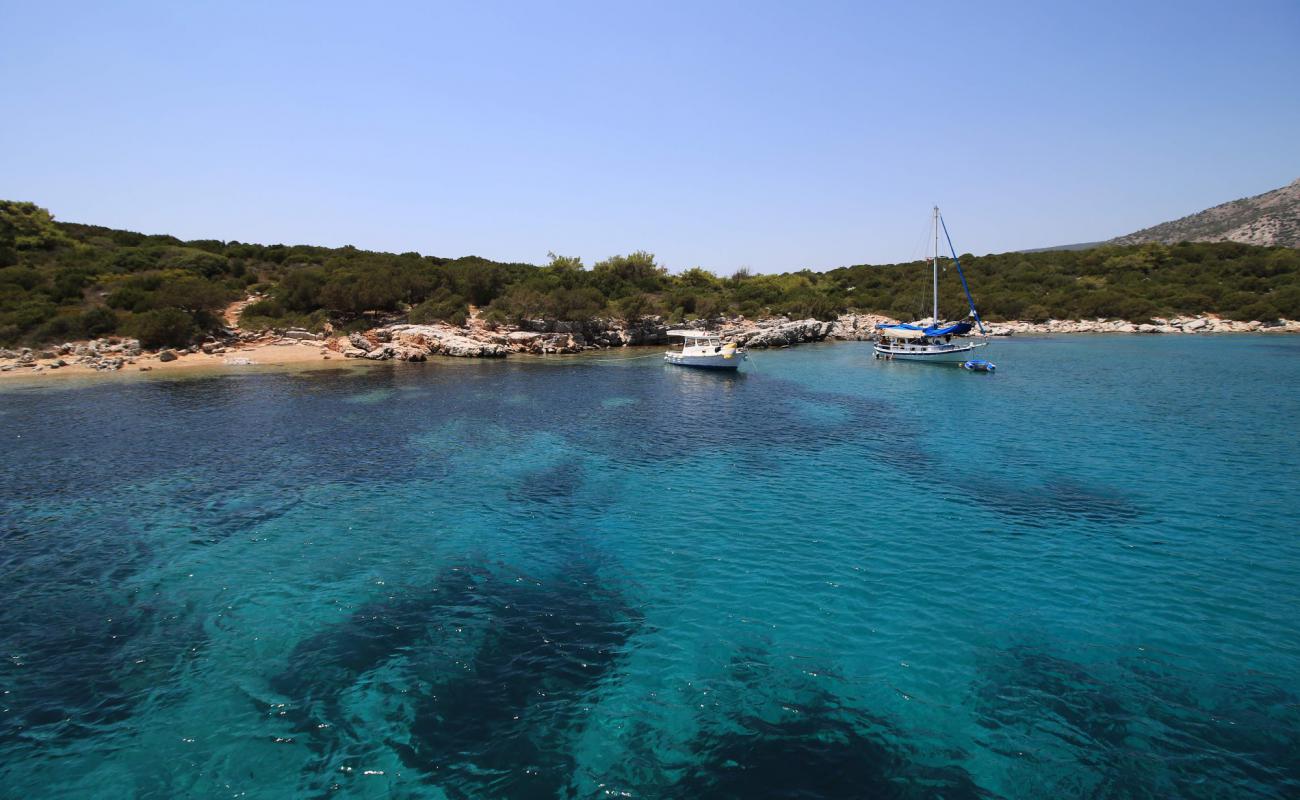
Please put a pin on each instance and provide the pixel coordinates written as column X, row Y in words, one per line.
column 65, row 281
column 1079, row 246
column 1271, row 219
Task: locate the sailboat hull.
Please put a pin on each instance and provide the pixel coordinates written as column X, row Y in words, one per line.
column 952, row 353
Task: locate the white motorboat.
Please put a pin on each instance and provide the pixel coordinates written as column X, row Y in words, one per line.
column 932, row 339
column 705, row 350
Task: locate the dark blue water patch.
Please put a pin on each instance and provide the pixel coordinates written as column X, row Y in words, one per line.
column 1050, row 504
column 1129, row 730
column 81, row 654
column 496, row 720
column 83, row 664
column 711, row 416
column 555, row 484
column 328, row 664
column 816, row 754
column 774, row 416
column 782, row 736
column 1244, row 729
column 506, row 726
column 895, row 442
column 43, row 546
column 226, row 433
column 223, row 512
column 1024, row 681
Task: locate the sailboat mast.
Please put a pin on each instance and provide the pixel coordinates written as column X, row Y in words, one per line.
column 936, row 265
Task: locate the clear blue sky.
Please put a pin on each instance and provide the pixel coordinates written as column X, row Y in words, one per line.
column 770, row 135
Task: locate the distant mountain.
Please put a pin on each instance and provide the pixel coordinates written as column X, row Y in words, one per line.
column 1079, row 246
column 1270, row 219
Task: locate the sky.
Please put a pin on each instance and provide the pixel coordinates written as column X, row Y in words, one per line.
column 773, row 136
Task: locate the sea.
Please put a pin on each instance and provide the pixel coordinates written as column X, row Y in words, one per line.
column 595, row 576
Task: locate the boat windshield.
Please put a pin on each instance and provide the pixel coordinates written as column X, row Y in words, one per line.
column 697, row 339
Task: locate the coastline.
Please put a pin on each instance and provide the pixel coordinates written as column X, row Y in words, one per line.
column 401, row 342
column 254, row 357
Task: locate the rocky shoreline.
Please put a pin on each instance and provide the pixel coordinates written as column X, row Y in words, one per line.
column 402, row 341
column 405, row 342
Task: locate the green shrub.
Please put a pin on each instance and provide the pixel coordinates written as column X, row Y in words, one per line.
column 163, row 327
column 191, row 293
column 97, row 321
column 131, row 298
column 269, row 307
column 1263, row 311
column 60, row 328
column 354, row 326
column 494, row 318
column 442, row 307
column 1036, row 313
column 25, row 277
column 633, row 308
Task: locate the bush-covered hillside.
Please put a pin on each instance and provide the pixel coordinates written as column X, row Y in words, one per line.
column 61, row 281
column 1133, row 283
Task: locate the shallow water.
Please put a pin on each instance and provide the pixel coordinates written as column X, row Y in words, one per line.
column 826, row 577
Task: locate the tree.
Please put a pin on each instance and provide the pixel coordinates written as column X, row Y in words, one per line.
column 699, row 278
column 300, row 289
column 620, row 275
column 563, row 271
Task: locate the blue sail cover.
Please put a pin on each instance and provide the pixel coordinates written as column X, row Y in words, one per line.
column 955, row 329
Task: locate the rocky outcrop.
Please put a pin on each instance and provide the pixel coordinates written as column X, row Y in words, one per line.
column 100, row 354
column 777, row 332
column 538, row 343
column 387, row 351
column 858, row 327
column 439, row 340
column 416, row 343
column 565, row 336
column 408, row 342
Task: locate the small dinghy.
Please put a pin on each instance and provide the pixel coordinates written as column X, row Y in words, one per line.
column 979, row 365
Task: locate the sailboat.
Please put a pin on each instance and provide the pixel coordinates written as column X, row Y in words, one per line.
column 933, row 339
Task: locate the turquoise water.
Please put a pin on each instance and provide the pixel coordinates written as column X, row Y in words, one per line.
column 592, row 577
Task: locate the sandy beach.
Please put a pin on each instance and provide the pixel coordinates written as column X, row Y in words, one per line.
column 250, row 357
